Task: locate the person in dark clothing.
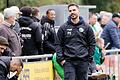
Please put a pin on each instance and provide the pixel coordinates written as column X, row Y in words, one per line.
column 75, row 45
column 111, row 32
column 4, row 61
column 8, row 64
column 31, row 33
column 3, row 47
column 3, row 44
column 35, row 14
column 48, row 31
column 17, row 12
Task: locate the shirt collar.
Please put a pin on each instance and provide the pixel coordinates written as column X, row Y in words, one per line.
column 6, row 23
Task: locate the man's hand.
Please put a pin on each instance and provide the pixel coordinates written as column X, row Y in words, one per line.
column 62, row 62
column 98, row 67
column 19, row 71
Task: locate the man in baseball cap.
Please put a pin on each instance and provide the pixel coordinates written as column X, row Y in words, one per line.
column 116, row 15
column 16, row 9
column 3, row 44
column 111, row 33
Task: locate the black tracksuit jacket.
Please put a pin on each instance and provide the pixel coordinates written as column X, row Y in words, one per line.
column 75, row 41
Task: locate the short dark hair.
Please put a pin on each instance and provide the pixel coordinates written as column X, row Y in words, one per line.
column 26, row 11
column 91, row 14
column 35, row 10
column 73, row 4
column 47, row 12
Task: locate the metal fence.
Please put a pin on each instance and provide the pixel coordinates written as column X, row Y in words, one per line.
column 44, row 57
column 111, row 64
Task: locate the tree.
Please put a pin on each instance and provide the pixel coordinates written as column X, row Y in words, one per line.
column 107, row 5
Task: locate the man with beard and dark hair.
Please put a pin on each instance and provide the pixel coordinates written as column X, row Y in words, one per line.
column 75, row 45
column 48, row 31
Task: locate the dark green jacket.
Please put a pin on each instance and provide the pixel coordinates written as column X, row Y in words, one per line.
column 98, row 58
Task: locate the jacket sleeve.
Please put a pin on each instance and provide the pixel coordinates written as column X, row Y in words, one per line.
column 115, row 37
column 59, row 43
column 38, row 37
column 51, row 46
column 91, row 41
column 5, row 35
column 2, row 73
column 50, row 34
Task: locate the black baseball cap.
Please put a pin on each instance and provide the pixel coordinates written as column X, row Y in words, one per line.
column 116, row 15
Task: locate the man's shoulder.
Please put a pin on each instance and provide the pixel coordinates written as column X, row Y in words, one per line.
column 64, row 25
column 35, row 25
column 4, row 27
column 110, row 24
column 2, row 64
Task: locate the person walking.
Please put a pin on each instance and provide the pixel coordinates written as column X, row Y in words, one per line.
column 75, row 45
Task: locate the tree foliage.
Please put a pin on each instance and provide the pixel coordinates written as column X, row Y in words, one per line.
column 108, row 5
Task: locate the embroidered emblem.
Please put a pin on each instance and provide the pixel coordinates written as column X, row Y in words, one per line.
column 81, row 29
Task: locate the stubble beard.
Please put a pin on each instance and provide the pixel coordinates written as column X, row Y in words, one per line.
column 74, row 16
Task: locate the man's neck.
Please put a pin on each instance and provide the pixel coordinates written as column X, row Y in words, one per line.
column 75, row 21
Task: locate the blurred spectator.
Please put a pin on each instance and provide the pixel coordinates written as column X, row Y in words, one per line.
column 35, row 14
column 105, row 18
column 111, row 32
column 94, row 24
column 1, row 18
column 30, row 33
column 99, row 53
column 3, row 44
column 98, row 56
column 16, row 10
column 49, row 33
column 98, row 59
column 10, row 34
column 7, row 65
column 3, row 47
column 17, row 13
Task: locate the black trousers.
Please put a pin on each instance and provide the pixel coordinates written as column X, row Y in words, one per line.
column 76, row 70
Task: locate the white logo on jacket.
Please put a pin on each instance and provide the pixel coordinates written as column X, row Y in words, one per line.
column 69, row 31
column 81, row 29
